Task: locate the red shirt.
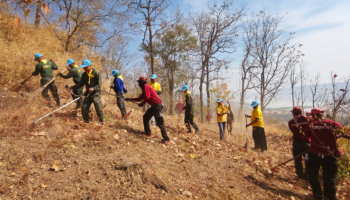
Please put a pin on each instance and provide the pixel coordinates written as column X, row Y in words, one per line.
column 179, row 106
column 324, row 141
column 299, row 127
column 148, row 96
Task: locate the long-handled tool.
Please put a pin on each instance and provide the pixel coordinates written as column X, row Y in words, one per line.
column 290, row 159
column 42, row 88
column 246, row 128
column 50, row 114
column 55, row 110
column 19, row 85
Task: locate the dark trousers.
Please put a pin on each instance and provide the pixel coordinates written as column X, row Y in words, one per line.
column 120, row 103
column 189, row 120
column 155, row 111
column 259, row 138
column 329, row 169
column 96, row 100
column 52, row 87
column 79, row 92
column 298, row 148
column 222, row 129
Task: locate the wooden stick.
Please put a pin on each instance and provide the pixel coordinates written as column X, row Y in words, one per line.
column 290, row 159
column 247, row 139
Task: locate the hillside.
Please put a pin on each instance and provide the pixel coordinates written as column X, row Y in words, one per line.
column 68, row 159
column 63, row 158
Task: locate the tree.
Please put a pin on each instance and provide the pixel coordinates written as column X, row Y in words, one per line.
column 294, row 78
column 303, row 76
column 149, row 11
column 272, row 53
column 216, row 31
column 314, row 87
column 82, row 21
column 171, row 47
column 339, row 95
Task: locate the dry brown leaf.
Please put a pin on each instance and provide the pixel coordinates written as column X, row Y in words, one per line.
column 43, row 6
column 44, row 185
column 27, row 12
column 54, row 167
column 187, row 193
column 28, row 2
column 47, row 9
column 16, row 22
column 116, row 137
column 12, row 174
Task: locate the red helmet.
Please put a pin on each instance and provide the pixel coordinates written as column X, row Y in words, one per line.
column 142, row 78
column 317, row 111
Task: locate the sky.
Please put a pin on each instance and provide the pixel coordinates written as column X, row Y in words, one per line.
column 322, row 26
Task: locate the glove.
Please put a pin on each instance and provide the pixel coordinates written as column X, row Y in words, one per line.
column 159, row 92
column 128, row 99
column 140, row 104
column 86, row 92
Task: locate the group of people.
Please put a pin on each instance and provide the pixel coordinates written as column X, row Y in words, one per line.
column 313, row 137
column 316, row 139
column 92, row 81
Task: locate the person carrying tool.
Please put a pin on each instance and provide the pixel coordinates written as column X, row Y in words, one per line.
column 324, row 152
column 118, row 86
column 299, row 125
column 150, row 96
column 230, row 118
column 209, row 117
column 221, row 112
column 257, row 123
column 189, row 113
column 93, row 82
column 178, row 108
column 74, row 72
column 44, row 68
column 156, row 86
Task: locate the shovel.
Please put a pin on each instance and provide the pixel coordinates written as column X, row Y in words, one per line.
column 246, row 146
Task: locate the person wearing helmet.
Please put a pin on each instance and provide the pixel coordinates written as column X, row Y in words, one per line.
column 257, row 122
column 299, row 125
column 156, row 86
column 44, row 68
column 74, row 72
column 150, row 96
column 221, row 112
column 118, row 87
column 189, row 110
column 324, row 152
column 91, row 78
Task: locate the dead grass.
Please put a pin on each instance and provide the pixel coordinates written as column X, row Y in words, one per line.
column 69, row 159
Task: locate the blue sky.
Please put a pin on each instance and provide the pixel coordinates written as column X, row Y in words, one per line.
column 322, row 26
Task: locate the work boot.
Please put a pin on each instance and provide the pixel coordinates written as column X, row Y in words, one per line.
column 166, row 142
column 197, row 131
column 148, row 134
column 189, row 131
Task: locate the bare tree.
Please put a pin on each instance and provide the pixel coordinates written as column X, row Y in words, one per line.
column 216, row 33
column 314, row 88
column 272, row 53
column 339, row 94
column 294, row 78
column 153, row 17
column 83, row 22
column 303, row 78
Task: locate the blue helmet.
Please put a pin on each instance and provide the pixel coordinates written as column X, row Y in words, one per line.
column 36, row 56
column 70, row 61
column 114, row 72
column 219, row 100
column 153, row 76
column 254, row 103
column 185, row 87
column 85, row 63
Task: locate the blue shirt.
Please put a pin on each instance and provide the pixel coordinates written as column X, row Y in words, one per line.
column 118, row 85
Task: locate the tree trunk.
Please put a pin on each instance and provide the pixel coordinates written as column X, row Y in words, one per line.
column 208, row 88
column 150, row 44
column 171, row 92
column 38, row 13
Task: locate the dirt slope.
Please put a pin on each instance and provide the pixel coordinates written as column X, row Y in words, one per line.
column 68, row 159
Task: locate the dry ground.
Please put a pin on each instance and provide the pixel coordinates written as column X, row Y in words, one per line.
column 68, row 159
